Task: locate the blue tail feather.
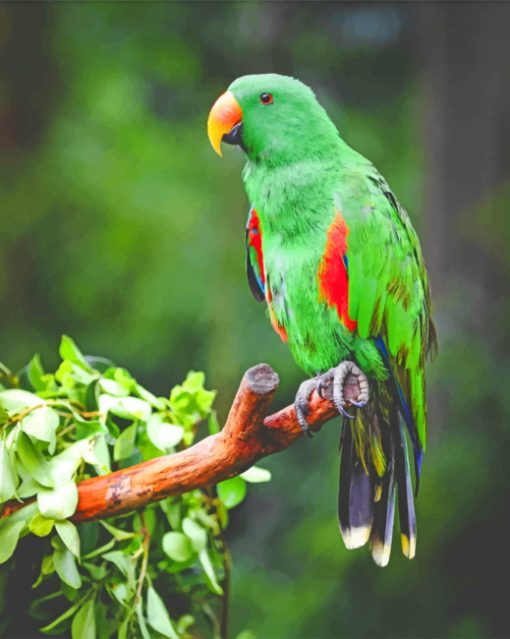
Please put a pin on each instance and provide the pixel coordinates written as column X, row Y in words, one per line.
column 404, row 410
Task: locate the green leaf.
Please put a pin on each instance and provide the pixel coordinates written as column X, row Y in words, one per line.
column 196, row 534
column 84, row 622
column 69, row 535
column 163, row 435
column 100, row 550
column 28, row 487
column 118, row 558
column 100, row 456
column 141, row 621
column 69, row 351
column 9, row 535
column 185, row 623
column 123, row 629
column 40, row 526
column 123, row 563
column 117, row 533
column 232, row 491
column 112, row 387
column 149, row 514
column 64, row 465
column 256, row 475
column 35, row 373
column 177, row 546
column 32, row 460
column 47, row 568
column 159, row 403
column 65, row 565
column 121, row 375
column 105, row 625
column 87, row 428
column 42, row 424
column 69, row 593
column 58, row 503
column 98, row 573
column 125, row 407
column 24, row 514
column 38, row 607
column 222, row 515
column 172, row 510
column 8, row 479
column 120, row 592
column 56, row 626
column 15, row 399
column 62, row 469
column 158, row 616
column 101, row 364
column 206, row 562
column 89, row 536
column 125, row 444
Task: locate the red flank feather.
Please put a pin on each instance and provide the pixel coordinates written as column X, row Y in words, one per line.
column 333, row 276
column 255, row 240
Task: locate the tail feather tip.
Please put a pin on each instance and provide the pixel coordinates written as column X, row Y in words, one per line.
column 381, row 552
column 355, row 537
column 408, row 546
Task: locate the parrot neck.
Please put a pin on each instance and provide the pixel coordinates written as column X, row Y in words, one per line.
column 295, row 199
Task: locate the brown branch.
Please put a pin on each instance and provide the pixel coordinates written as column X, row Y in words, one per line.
column 247, row 436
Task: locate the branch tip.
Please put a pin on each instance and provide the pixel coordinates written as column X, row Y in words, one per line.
column 262, row 379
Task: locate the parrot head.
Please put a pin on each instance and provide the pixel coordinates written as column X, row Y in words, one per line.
column 274, row 118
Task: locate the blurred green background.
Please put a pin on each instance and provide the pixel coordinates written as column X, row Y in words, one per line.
column 120, row 227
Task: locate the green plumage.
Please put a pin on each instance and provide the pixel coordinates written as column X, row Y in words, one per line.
column 300, row 176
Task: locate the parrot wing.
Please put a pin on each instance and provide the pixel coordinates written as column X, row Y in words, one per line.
column 388, row 290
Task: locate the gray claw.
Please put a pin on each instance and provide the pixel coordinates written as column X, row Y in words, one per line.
column 321, row 386
column 357, row 404
column 343, row 412
column 301, row 404
column 301, row 417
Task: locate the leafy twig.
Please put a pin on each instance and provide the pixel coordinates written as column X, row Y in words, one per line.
column 146, row 539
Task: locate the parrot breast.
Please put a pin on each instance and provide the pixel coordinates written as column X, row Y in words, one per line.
column 298, row 243
column 302, row 309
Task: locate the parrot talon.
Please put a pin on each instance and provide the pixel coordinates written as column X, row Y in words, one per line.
column 338, row 375
column 330, row 385
column 301, row 404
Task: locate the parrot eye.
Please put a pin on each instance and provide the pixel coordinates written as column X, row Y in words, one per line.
column 266, row 98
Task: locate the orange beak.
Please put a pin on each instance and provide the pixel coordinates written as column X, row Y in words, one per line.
column 224, row 116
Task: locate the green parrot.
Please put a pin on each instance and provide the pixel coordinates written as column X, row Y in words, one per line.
column 336, row 259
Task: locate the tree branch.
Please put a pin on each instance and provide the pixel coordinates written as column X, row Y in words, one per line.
column 247, row 436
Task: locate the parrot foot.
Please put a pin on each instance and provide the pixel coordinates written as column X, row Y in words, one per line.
column 337, row 377
column 301, row 407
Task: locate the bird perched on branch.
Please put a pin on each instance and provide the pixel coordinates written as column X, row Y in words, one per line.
column 339, row 265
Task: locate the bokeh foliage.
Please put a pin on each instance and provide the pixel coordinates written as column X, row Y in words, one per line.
column 121, row 227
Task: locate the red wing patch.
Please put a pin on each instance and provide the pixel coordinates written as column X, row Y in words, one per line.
column 255, row 241
column 332, row 274
column 254, row 238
